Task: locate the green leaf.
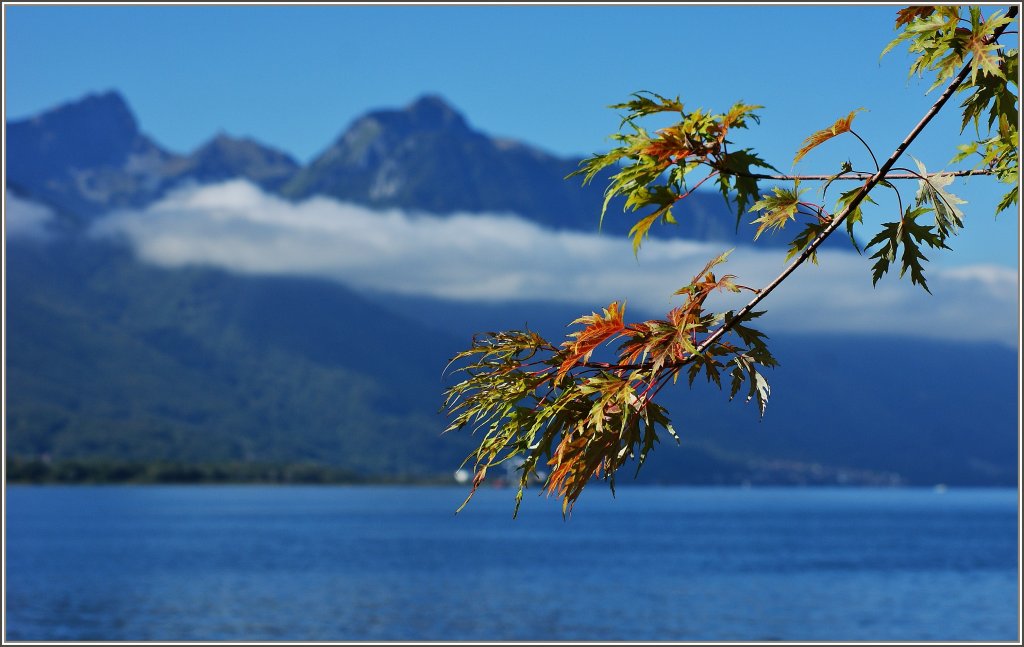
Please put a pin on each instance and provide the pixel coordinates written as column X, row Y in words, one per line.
column 735, row 170
column 992, row 94
column 1009, row 198
column 907, row 234
column 753, row 339
column 932, row 190
column 855, row 215
column 759, row 388
column 811, row 231
column 647, row 103
column 640, row 230
column 777, row 209
column 980, row 46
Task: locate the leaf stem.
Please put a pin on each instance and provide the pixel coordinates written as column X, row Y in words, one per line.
column 713, row 174
column 870, row 152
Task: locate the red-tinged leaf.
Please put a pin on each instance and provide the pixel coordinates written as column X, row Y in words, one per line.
column 703, row 276
column 838, row 128
column 910, row 14
column 598, row 329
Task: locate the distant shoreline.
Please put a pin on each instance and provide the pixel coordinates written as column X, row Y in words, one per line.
column 109, row 472
column 22, row 471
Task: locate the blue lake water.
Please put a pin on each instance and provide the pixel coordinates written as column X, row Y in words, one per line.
column 249, row 563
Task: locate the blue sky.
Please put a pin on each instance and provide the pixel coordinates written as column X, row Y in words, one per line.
column 295, row 76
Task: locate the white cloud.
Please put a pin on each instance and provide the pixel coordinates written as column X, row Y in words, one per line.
column 24, row 218
column 487, row 257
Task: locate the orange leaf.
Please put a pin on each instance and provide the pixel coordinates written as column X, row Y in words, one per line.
column 598, row 330
column 838, row 128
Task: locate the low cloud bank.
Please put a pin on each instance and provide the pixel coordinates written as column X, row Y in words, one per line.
column 24, row 218
column 492, row 257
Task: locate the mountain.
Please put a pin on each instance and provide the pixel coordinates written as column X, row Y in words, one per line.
column 89, row 156
column 108, row 357
column 844, row 408
column 226, row 158
column 427, row 157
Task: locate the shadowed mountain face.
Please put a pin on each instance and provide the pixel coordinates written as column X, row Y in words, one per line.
column 89, row 157
column 97, row 131
column 86, row 157
column 426, row 157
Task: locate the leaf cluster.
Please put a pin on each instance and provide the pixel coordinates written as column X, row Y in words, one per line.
column 540, row 404
column 907, row 235
column 654, row 171
column 550, row 405
column 944, row 39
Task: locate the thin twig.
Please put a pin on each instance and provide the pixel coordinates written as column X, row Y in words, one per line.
column 860, row 177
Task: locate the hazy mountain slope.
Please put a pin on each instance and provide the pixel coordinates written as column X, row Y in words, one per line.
column 927, row 411
column 107, row 357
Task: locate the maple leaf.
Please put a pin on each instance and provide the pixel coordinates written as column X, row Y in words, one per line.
column 811, row 231
column 735, row 171
column 910, row 14
column 642, row 105
column 598, row 329
column 777, row 209
column 932, row 189
column 745, row 369
column 704, row 282
column 982, row 58
column 638, row 232
column 908, row 234
column 981, row 46
column 856, row 215
column 841, row 126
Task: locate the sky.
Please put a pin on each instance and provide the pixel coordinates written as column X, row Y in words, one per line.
column 294, row 77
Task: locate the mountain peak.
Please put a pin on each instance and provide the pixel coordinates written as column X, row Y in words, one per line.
column 97, row 131
column 432, row 111
column 107, row 111
column 429, row 113
column 224, row 157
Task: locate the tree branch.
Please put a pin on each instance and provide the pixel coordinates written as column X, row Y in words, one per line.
column 871, row 183
column 860, row 177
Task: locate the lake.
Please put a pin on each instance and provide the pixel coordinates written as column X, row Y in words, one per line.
column 248, row 563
